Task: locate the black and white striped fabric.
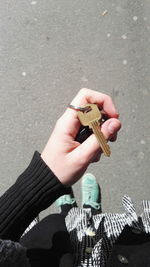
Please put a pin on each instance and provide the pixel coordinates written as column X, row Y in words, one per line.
column 93, row 236
column 31, row 225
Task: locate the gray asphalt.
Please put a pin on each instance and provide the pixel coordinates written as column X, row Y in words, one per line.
column 51, row 49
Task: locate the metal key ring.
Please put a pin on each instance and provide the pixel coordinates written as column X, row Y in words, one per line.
column 83, row 109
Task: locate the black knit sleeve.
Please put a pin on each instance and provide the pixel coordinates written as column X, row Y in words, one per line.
column 35, row 189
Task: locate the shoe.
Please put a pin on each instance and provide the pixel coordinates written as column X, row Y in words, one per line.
column 91, row 195
column 66, row 199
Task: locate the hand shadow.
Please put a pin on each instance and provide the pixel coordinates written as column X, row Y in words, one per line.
column 48, row 243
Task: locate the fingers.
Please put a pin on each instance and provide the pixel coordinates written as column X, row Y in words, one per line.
column 90, row 147
column 97, row 157
column 104, row 101
column 70, row 120
column 113, row 138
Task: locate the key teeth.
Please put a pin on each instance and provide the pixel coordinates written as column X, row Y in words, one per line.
column 101, row 138
column 108, row 154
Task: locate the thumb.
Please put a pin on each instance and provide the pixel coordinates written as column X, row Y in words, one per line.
column 89, row 148
column 110, row 128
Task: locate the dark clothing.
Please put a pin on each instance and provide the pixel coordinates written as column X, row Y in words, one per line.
column 117, row 238
column 132, row 249
column 35, row 190
column 48, row 242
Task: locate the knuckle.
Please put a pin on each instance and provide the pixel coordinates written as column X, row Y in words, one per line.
column 59, row 123
column 83, row 91
column 108, row 98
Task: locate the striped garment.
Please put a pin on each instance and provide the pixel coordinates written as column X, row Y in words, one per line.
column 92, row 236
column 31, row 225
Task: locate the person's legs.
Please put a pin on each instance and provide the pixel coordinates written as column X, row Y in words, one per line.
column 91, row 193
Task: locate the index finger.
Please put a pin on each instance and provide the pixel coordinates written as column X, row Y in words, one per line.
column 104, row 101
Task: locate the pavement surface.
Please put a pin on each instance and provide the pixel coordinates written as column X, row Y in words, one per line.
column 49, row 49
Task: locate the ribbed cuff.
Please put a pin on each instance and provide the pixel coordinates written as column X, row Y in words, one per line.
column 35, row 189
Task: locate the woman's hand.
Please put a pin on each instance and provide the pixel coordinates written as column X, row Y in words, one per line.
column 69, row 159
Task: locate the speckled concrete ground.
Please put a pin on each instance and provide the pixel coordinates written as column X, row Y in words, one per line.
column 50, row 49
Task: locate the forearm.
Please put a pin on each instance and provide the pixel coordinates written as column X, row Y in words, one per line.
column 35, row 190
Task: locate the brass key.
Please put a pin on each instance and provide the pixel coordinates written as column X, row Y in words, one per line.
column 91, row 117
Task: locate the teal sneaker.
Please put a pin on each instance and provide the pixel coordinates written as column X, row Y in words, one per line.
column 91, row 195
column 67, row 199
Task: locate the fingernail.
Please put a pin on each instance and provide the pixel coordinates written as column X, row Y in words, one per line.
column 111, row 128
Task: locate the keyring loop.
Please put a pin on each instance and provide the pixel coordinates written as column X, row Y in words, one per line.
column 83, row 109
